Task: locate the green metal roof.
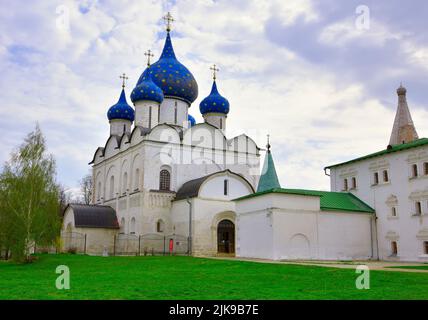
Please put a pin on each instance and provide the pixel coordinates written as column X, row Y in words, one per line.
column 329, row 201
column 395, row 148
column 268, row 179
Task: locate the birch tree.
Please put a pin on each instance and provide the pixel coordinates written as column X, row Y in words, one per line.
column 29, row 196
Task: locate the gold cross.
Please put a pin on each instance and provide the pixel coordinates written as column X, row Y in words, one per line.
column 124, row 78
column 168, row 19
column 215, row 70
column 148, row 54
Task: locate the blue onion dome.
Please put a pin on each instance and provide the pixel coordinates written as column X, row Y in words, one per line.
column 121, row 110
column 171, row 76
column 191, row 120
column 147, row 90
column 214, row 102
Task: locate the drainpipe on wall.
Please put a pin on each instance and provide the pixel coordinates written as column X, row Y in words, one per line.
column 190, row 225
column 377, row 240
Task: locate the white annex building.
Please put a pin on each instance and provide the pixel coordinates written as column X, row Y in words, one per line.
column 164, row 184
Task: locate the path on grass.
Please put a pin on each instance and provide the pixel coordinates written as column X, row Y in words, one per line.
column 373, row 265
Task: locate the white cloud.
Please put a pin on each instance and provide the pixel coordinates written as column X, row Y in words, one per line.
column 68, row 84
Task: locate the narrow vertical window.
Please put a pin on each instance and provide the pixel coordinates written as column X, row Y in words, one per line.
column 150, row 117
column 226, row 187
column 122, row 225
column 111, row 187
column 345, row 184
column 394, row 248
column 175, row 112
column 425, row 245
column 393, row 212
column 158, row 114
column 426, row 168
column 418, row 207
column 137, row 179
column 164, row 180
column 385, row 176
column 99, row 190
column 160, row 226
column 354, row 183
column 221, row 123
column 125, row 183
column 415, row 170
column 132, row 226
column 376, row 178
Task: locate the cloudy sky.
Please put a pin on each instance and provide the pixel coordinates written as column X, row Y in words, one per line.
column 316, row 75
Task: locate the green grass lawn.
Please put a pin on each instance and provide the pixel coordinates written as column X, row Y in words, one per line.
column 197, row 278
column 411, row 267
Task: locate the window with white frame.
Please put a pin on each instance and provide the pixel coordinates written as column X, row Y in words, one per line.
column 345, row 184
column 394, row 248
column 164, row 180
column 354, row 183
column 418, row 208
column 385, row 176
column 375, row 178
column 414, row 170
column 160, row 226
column 393, row 211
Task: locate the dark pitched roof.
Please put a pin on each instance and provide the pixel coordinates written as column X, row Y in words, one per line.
column 329, row 201
column 94, row 216
column 190, row 189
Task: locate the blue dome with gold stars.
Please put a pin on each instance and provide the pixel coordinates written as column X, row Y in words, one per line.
column 191, row 120
column 171, row 76
column 121, row 110
column 147, row 90
column 214, row 102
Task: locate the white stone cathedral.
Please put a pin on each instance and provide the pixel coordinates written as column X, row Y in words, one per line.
column 164, row 184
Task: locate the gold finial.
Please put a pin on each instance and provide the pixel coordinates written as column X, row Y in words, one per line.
column 124, row 78
column 168, row 19
column 215, row 70
column 149, row 55
column 268, row 144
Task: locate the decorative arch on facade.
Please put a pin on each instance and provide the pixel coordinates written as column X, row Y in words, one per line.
column 300, row 246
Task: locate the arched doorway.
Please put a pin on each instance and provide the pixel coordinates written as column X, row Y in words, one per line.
column 226, row 237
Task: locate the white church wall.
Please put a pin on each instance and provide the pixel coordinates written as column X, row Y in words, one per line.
column 97, row 239
column 216, row 119
column 119, row 127
column 164, row 133
column 208, row 209
column 254, row 235
column 345, row 236
column 405, row 226
column 147, row 114
column 283, row 226
column 214, row 187
column 207, row 214
column 295, row 233
column 169, row 115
